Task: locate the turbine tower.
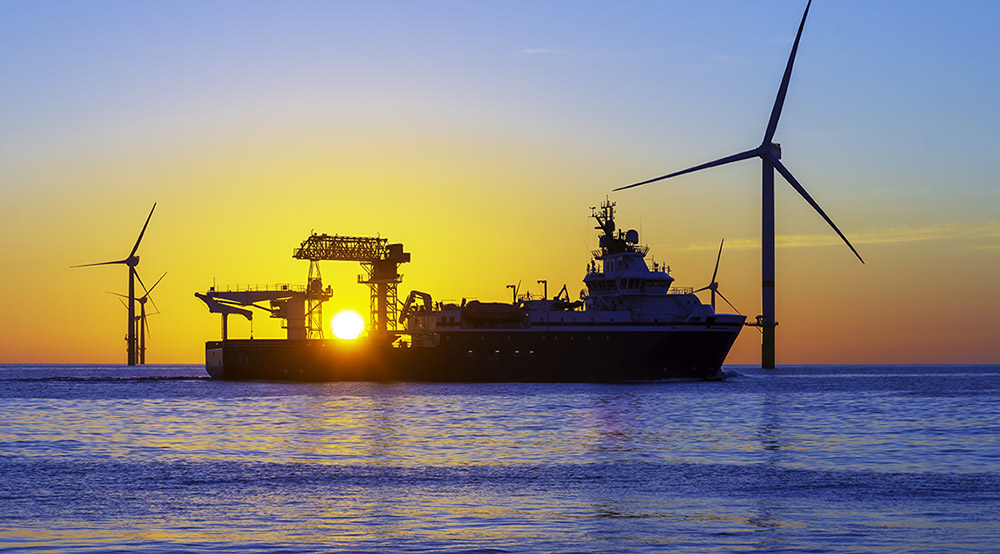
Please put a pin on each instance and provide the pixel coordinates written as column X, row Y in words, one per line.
column 131, row 261
column 770, row 154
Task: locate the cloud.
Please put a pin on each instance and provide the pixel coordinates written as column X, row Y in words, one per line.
column 981, row 236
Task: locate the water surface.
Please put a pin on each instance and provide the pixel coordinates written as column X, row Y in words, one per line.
column 798, row 459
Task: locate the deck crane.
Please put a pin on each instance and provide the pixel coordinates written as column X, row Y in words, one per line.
column 224, row 307
column 286, row 302
column 380, row 261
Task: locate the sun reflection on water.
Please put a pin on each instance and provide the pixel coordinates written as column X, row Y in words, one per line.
column 376, row 466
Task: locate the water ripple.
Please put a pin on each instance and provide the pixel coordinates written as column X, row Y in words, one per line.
column 800, row 459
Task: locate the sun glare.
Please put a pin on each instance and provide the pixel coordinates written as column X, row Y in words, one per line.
column 348, row 325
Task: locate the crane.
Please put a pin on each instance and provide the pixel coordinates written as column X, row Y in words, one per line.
column 380, row 261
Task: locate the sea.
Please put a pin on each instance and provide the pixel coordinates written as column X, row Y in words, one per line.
column 834, row 458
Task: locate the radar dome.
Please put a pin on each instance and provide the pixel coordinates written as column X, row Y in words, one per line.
column 632, row 236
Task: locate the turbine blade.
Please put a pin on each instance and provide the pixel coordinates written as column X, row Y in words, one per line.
column 802, row 191
column 716, row 272
column 138, row 240
column 150, row 291
column 728, row 302
column 116, row 294
column 141, row 283
column 704, row 288
column 101, row 263
column 772, row 124
column 156, row 283
column 721, row 161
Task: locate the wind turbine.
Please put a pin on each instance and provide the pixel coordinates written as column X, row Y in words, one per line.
column 141, row 318
column 714, row 285
column 143, row 327
column 770, row 154
column 131, row 261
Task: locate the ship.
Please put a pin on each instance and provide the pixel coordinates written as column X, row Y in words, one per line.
column 630, row 323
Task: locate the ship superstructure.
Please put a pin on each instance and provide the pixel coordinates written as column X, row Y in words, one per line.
column 629, row 323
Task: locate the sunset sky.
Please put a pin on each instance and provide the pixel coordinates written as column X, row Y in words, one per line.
column 479, row 134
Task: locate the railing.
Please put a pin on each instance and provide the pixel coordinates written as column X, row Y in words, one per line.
column 653, row 267
column 636, row 248
column 680, row 290
column 278, row 287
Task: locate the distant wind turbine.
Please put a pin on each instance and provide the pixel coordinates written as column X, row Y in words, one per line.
column 141, row 318
column 132, row 260
column 714, row 285
column 770, row 155
column 143, row 326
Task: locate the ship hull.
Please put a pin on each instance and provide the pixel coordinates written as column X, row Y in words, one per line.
column 501, row 355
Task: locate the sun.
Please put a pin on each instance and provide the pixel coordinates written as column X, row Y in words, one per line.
column 348, row 325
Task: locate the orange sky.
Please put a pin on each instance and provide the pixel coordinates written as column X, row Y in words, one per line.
column 480, row 141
